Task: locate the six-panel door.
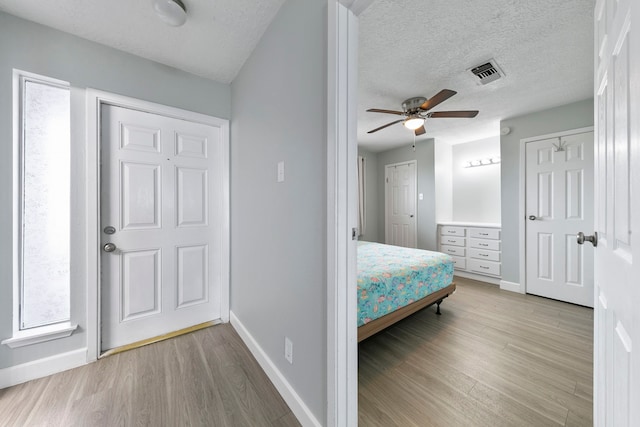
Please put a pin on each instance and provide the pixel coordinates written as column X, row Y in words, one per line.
column 160, row 192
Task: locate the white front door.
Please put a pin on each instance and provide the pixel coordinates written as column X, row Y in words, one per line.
column 617, row 259
column 559, row 204
column 400, row 204
column 161, row 203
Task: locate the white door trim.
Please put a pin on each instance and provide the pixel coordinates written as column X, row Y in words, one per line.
column 342, row 200
column 95, row 100
column 415, row 187
column 522, row 196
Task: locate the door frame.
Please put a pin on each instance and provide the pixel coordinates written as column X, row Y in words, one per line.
column 522, row 232
column 95, row 100
column 342, row 207
column 415, row 186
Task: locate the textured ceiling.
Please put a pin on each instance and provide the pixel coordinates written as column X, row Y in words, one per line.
column 218, row 37
column 407, row 48
column 418, row 47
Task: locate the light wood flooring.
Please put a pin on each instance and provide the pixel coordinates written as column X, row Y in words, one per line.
column 493, row 358
column 205, row 378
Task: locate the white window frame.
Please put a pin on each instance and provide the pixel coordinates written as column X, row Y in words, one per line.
column 53, row 331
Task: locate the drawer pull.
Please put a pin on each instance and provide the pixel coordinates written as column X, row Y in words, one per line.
column 451, row 231
column 451, row 241
column 483, row 254
column 483, row 244
column 482, row 266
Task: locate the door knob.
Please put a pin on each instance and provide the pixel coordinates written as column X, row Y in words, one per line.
column 109, row 247
column 533, row 217
column 593, row 239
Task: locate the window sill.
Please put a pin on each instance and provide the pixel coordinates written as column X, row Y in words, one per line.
column 41, row 334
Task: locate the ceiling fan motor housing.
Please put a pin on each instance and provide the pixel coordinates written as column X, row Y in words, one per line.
column 412, row 105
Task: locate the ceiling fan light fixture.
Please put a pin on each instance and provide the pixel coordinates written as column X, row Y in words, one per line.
column 172, row 12
column 413, row 123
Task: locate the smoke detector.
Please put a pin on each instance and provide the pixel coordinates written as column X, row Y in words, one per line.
column 487, row 72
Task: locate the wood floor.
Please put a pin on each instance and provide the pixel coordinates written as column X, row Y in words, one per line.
column 206, row 378
column 494, row 358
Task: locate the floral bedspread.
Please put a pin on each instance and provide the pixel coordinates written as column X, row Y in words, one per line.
column 391, row 277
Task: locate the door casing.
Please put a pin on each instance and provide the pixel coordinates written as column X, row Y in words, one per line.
column 582, row 291
column 95, row 100
column 522, row 198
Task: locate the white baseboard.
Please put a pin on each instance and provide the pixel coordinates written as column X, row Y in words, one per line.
column 288, row 393
column 511, row 286
column 478, row 277
column 19, row 374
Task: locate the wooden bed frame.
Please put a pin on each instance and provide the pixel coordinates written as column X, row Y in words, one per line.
column 375, row 326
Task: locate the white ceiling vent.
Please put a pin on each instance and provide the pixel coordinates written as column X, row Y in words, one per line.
column 487, row 72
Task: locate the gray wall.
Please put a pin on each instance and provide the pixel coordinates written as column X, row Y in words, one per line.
column 371, row 197
column 424, row 155
column 571, row 116
column 278, row 230
column 38, row 49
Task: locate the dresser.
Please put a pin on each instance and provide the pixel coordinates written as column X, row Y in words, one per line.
column 475, row 249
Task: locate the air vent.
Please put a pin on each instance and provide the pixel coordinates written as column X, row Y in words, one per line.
column 487, row 72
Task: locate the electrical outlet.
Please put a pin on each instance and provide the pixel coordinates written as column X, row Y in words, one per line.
column 288, row 350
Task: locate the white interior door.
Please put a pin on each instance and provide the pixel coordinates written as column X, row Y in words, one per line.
column 617, row 260
column 400, row 204
column 559, row 204
column 161, row 196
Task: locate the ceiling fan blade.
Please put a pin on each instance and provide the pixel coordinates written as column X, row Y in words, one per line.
column 384, row 126
column 436, row 99
column 378, row 110
column 458, row 114
column 420, row 131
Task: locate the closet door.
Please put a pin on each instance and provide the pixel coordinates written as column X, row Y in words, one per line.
column 559, row 204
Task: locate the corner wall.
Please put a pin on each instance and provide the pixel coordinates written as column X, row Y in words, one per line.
column 566, row 117
column 278, row 229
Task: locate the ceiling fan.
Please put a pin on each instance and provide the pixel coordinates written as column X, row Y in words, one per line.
column 416, row 110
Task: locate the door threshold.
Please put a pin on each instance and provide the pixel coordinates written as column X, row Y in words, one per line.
column 159, row 338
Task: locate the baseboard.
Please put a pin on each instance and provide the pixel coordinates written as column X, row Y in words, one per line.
column 288, row 393
column 511, row 286
column 22, row 373
column 478, row 277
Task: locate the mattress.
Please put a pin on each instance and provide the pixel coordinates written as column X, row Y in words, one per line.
column 391, row 277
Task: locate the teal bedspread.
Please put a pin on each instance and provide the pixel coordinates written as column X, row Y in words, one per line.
column 391, row 277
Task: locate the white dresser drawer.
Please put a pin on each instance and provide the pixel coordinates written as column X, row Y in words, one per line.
column 485, row 233
column 494, row 245
column 459, row 263
column 453, row 250
column 484, row 267
column 448, row 230
column 453, row 241
column 485, row 254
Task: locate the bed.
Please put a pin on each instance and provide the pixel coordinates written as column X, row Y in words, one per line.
column 394, row 282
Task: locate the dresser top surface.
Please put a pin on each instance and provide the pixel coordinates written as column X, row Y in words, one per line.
column 471, row 224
